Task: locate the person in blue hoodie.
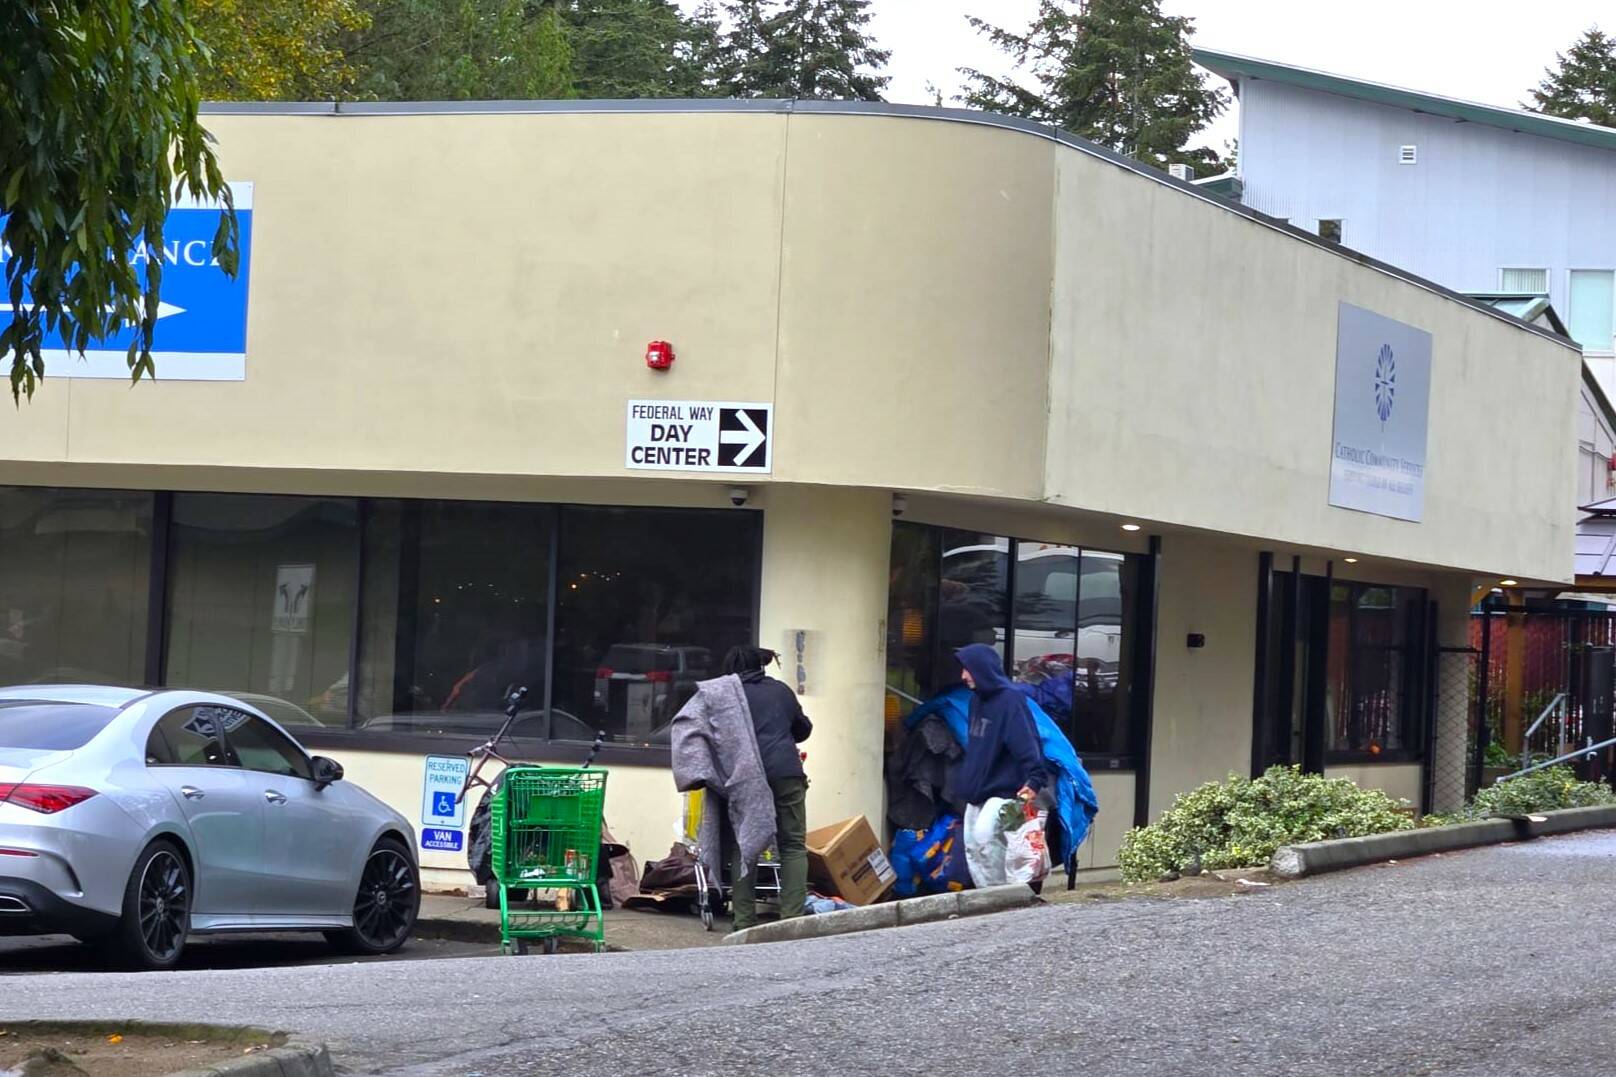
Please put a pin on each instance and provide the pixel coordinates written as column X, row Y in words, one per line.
column 1003, row 760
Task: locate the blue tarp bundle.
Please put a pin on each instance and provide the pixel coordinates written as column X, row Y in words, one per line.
column 1075, row 802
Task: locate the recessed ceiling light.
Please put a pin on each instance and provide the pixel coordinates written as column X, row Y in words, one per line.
column 1130, row 527
column 1508, row 583
column 1351, row 560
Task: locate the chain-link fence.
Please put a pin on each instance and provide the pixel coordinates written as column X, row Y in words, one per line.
column 1454, row 754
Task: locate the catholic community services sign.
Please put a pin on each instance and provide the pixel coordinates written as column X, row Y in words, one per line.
column 1382, row 404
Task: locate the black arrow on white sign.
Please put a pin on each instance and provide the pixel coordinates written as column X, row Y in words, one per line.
column 742, row 433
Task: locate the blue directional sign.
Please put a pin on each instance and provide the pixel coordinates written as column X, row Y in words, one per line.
column 201, row 331
column 443, row 841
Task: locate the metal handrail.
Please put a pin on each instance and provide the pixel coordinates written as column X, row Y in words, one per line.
column 1589, row 750
column 1558, row 701
column 905, row 696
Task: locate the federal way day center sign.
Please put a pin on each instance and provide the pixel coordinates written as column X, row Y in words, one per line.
column 201, row 331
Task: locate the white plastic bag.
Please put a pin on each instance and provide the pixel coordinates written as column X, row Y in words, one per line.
column 1026, row 854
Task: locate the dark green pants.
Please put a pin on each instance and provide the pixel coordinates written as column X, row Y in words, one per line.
column 790, row 830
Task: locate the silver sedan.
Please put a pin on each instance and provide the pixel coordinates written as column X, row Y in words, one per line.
column 132, row 819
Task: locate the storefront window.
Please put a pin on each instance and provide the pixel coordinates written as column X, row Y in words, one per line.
column 1046, row 659
column 1372, row 679
column 912, row 590
column 1105, row 647
column 1075, row 618
column 74, row 585
column 455, row 610
column 973, row 604
column 648, row 601
column 261, row 601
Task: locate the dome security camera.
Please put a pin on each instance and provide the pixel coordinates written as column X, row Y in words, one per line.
column 900, row 505
column 738, row 495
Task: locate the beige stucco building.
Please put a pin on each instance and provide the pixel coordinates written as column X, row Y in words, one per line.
column 1104, row 398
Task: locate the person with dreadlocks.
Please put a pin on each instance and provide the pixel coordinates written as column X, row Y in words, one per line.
column 781, row 726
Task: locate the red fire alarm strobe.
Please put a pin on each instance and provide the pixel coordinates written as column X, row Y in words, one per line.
column 659, row 355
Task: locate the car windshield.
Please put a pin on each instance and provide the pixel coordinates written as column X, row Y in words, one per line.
column 51, row 726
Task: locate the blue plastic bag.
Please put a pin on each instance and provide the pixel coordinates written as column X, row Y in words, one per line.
column 904, row 857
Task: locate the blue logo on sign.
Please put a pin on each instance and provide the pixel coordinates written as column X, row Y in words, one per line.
column 443, row 804
column 1385, row 382
column 448, row 841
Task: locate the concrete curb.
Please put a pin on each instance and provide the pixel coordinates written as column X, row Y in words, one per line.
column 1315, row 858
column 921, row 910
column 293, row 1060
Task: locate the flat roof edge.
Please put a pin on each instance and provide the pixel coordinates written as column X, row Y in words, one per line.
column 767, row 106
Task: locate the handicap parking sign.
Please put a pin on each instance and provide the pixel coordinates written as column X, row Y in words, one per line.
column 440, row 791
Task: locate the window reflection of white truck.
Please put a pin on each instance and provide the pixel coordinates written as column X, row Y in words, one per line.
column 1058, row 595
column 639, row 686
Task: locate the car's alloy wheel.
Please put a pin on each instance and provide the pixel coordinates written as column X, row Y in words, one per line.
column 386, row 905
column 156, row 909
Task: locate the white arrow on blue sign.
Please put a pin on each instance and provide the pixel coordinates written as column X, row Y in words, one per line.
column 201, row 331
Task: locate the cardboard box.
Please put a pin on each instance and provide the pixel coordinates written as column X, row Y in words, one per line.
column 845, row 859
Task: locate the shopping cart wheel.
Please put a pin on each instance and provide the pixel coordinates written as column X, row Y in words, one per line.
column 552, row 945
column 513, row 946
column 491, row 894
column 707, row 917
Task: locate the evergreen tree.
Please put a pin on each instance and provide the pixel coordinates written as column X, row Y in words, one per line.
column 745, row 66
column 461, row 50
column 630, row 48
column 1583, row 85
column 811, row 49
column 701, row 54
column 1117, row 72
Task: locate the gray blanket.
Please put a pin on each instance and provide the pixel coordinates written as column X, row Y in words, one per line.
column 715, row 748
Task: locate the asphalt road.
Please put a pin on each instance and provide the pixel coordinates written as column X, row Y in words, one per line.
column 1487, row 962
column 60, row 953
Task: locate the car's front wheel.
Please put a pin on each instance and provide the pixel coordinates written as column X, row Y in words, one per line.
column 387, row 903
column 156, row 909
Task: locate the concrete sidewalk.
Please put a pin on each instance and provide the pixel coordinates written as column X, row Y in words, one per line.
column 446, row 916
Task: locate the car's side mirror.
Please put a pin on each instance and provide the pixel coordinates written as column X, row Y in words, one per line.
column 326, row 771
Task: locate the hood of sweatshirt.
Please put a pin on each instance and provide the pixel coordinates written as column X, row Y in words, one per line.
column 985, row 667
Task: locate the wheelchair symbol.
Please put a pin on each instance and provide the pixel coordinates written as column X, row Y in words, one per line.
column 443, row 804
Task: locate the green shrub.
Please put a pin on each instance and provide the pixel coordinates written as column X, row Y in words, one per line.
column 1240, row 822
column 1548, row 789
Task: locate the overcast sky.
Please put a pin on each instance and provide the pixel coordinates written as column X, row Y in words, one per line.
column 1481, row 50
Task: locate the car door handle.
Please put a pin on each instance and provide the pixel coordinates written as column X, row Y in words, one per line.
column 273, row 797
column 191, row 792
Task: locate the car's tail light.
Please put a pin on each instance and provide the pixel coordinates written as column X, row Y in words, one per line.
column 45, row 799
column 17, row 852
column 659, row 676
column 604, row 673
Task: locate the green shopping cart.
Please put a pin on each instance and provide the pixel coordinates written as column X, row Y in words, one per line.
column 544, row 829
